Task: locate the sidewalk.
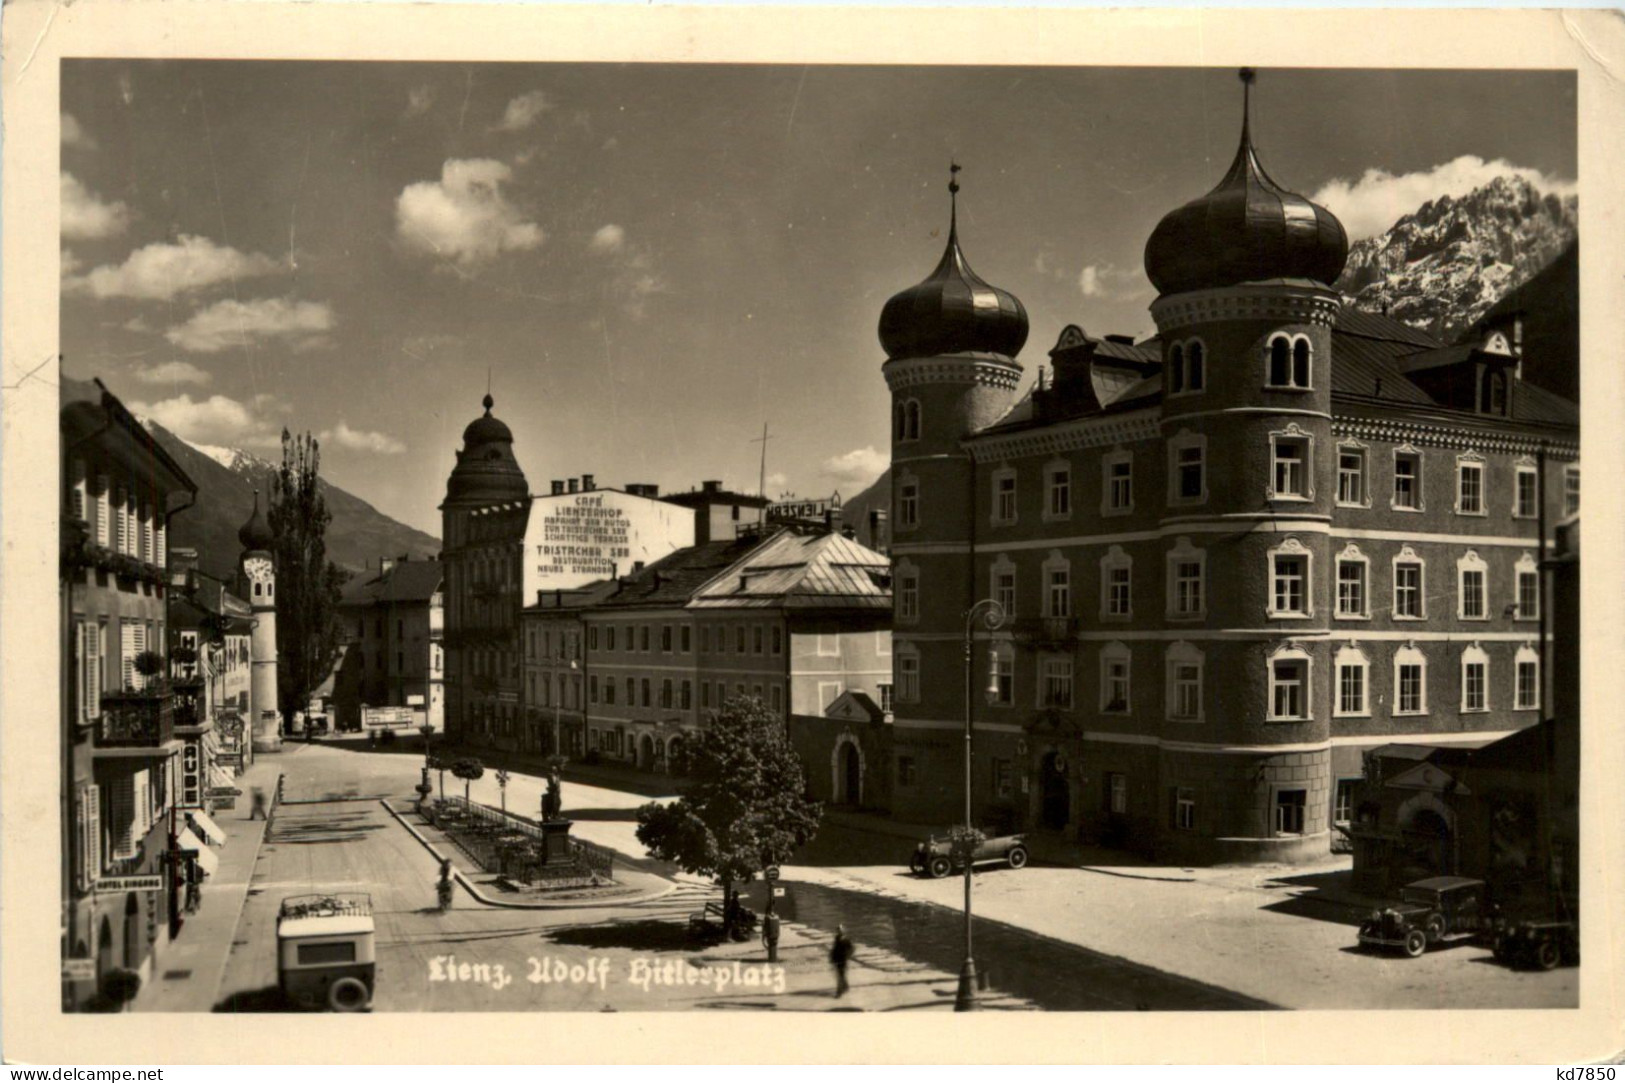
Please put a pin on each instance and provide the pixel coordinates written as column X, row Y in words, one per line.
column 186, row 977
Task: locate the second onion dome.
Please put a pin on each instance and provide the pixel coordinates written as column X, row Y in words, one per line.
column 953, row 310
column 1245, row 230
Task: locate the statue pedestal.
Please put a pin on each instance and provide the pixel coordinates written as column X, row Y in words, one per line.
column 266, row 735
column 555, row 841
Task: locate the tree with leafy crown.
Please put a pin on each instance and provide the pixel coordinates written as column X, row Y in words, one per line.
column 308, row 585
column 744, row 804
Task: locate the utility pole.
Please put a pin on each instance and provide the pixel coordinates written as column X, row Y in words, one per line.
column 761, row 477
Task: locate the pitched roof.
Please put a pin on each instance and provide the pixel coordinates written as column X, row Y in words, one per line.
column 673, row 579
column 406, row 581
column 803, row 571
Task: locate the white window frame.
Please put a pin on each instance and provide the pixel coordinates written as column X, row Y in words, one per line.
column 1000, row 517
column 1475, row 655
column 1525, row 468
column 1185, row 440
column 1526, row 568
column 1058, row 487
column 1111, row 654
column 1407, row 555
column 1526, row 656
column 1004, row 674
column 907, row 594
column 1293, row 434
column 1184, row 808
column 1062, row 671
column 1184, row 552
column 1467, row 462
column 1184, row 655
column 1409, row 655
column 1116, row 560
column 1351, row 556
column 1057, row 563
column 908, row 502
column 1292, row 383
column 1351, row 658
column 1571, row 490
column 906, row 683
column 1406, row 451
column 1005, row 596
column 1290, row 653
column 1116, row 457
column 1291, row 548
column 1363, row 453
column 1471, row 563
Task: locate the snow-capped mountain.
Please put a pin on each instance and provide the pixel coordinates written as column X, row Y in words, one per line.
column 1444, row 266
column 234, row 459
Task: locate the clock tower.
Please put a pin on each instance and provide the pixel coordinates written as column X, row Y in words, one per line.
column 257, row 582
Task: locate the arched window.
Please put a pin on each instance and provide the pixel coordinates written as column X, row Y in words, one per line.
column 913, row 424
column 1475, row 679
column 1183, row 695
column 1352, row 690
column 1176, row 369
column 1196, row 368
column 1300, row 363
column 1280, row 361
column 1289, row 685
column 1410, row 681
column 1526, row 695
column 899, row 423
column 1115, row 679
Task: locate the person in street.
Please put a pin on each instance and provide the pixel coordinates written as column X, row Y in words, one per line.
column 840, row 953
column 258, row 811
column 443, row 889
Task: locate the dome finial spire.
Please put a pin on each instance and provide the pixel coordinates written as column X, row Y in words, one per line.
column 1248, row 75
column 953, row 197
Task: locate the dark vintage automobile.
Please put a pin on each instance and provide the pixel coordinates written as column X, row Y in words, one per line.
column 1542, row 944
column 938, row 857
column 1429, row 912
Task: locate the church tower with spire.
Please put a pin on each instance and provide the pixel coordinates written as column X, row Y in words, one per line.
column 257, row 583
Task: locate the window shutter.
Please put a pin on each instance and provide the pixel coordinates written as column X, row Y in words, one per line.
column 132, row 524
column 122, row 809
column 160, row 556
column 79, row 497
column 148, row 547
column 103, row 512
column 143, row 805
column 127, row 630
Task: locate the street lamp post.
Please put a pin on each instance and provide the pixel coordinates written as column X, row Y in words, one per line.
column 992, row 614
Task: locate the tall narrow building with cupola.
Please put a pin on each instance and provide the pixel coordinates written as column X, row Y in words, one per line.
column 257, row 583
column 1235, row 556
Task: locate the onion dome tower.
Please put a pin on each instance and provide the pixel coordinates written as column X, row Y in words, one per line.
column 1245, row 317
column 258, row 585
column 486, row 470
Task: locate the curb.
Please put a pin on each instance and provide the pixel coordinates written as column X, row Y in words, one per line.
column 504, row 904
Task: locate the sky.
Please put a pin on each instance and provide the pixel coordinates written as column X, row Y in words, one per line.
column 646, row 264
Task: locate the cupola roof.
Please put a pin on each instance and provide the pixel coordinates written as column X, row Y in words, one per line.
column 1247, row 229
column 256, row 534
column 953, row 310
column 486, row 470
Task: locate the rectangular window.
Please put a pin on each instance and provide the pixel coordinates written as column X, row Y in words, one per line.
column 684, row 644
column 1058, row 682
column 1004, row 591
column 609, row 637
column 705, row 639
column 1351, row 591
column 908, row 504
column 705, row 694
column 609, row 691
column 1351, row 477
column 1116, row 793
column 778, row 699
column 1470, row 488
column 1290, row 471
column 905, row 770
column 1526, row 503
column 1407, row 480
column 1351, row 689
column 1289, row 810
column 1571, row 491
column 643, row 637
column 648, row 700
column 1528, row 697
column 1120, row 485
column 1343, row 801
column 592, row 637
column 1060, row 493
column 1289, row 697
column 1410, row 699
column 1188, row 472
column 1004, row 679
column 908, row 678
column 1472, row 594
column 739, row 639
column 1118, row 592
column 1187, row 588
column 1114, row 686
column 1059, row 595
column 1004, row 509
column 1003, row 777
column 665, row 638
column 1290, row 585
column 1473, row 693
column 1528, row 595
column 885, row 690
column 1185, row 809
column 631, row 692
column 666, row 694
column 758, row 638
column 1408, row 589
column 778, row 639
column 1187, row 690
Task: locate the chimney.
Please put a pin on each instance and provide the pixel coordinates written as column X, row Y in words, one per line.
column 558, row 487
column 711, row 486
column 384, row 564
column 182, row 568
column 574, row 485
column 848, row 533
column 877, row 530
column 587, row 485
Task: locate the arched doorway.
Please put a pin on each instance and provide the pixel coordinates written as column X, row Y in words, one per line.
column 132, row 932
column 674, row 749
column 104, row 949
column 646, row 752
column 1055, row 796
column 848, row 775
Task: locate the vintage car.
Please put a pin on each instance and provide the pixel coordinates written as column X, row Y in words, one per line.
column 1431, row 911
column 1537, row 944
column 324, row 946
column 938, row 857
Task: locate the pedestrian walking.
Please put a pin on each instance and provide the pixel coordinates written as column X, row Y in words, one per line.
column 258, row 811
column 840, row 953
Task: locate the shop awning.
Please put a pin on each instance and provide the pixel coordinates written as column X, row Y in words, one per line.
column 221, row 775
column 207, row 828
column 206, row 859
column 211, row 742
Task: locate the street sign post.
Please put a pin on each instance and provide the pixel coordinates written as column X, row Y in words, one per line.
column 770, row 873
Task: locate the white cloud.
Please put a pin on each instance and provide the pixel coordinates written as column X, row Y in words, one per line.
column 1109, row 280
column 162, row 271
column 85, row 216
column 172, row 372
column 75, row 136
column 359, row 440
column 419, row 99
column 610, row 238
column 1372, row 204
column 227, row 324
column 463, row 216
column 214, row 420
column 856, row 468
column 776, row 483
column 524, row 111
